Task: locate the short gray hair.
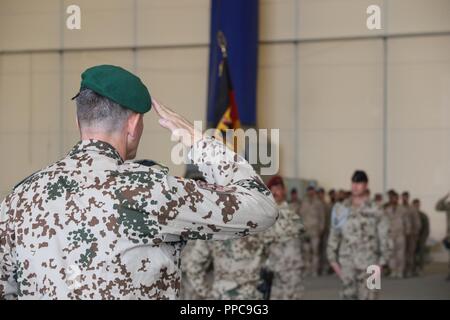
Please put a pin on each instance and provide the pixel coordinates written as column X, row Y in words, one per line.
column 94, row 110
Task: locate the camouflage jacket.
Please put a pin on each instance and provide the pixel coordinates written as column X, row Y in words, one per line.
column 289, row 225
column 359, row 236
column 313, row 214
column 400, row 224
column 236, row 268
column 414, row 222
column 187, row 291
column 328, row 207
column 92, row 226
column 285, row 239
column 424, row 227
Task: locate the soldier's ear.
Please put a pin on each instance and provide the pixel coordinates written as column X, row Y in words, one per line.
column 133, row 124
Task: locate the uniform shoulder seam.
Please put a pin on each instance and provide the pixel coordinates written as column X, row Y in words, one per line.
column 25, row 180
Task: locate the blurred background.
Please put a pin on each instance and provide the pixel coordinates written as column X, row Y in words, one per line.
column 344, row 97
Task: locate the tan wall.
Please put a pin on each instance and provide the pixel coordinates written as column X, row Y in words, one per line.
column 333, row 106
column 325, row 96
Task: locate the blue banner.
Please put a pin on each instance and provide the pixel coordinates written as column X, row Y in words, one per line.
column 238, row 20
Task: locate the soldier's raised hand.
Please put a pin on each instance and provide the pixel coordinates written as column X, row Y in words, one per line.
column 181, row 128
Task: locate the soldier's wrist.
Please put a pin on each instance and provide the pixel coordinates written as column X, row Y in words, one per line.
column 195, row 153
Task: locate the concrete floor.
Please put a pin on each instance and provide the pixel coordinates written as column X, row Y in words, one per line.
column 431, row 285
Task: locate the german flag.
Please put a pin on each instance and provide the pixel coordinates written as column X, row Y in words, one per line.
column 226, row 115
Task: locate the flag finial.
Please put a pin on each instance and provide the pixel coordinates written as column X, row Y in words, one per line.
column 222, row 42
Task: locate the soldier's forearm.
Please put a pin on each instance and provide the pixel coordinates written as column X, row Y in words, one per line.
column 219, row 164
column 254, row 204
column 442, row 205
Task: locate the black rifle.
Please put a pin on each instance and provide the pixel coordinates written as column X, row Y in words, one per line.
column 265, row 286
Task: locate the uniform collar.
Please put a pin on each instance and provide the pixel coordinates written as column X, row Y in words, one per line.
column 283, row 204
column 365, row 204
column 100, row 147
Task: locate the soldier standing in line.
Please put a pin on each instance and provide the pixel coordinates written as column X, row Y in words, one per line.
column 313, row 215
column 324, row 267
column 295, row 201
column 187, row 290
column 398, row 222
column 413, row 236
column 294, row 197
column 236, row 267
column 332, row 197
column 378, row 199
column 341, row 195
column 422, row 239
column 358, row 239
column 285, row 252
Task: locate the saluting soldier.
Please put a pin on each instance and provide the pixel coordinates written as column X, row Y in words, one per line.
column 95, row 225
column 443, row 205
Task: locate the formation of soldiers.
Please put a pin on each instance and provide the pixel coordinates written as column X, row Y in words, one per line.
column 408, row 228
column 313, row 237
column 409, row 231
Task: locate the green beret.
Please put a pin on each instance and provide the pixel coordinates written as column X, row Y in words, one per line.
column 119, row 85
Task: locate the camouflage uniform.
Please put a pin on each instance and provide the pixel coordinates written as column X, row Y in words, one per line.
column 399, row 230
column 313, row 214
column 285, row 255
column 444, row 206
column 422, row 241
column 236, row 268
column 187, row 291
column 358, row 239
column 412, row 238
column 295, row 206
column 324, row 264
column 92, row 226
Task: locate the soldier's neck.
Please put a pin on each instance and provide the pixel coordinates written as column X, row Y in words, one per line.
column 358, row 201
column 115, row 140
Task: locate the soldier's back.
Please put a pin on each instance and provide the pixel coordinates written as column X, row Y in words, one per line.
column 82, row 231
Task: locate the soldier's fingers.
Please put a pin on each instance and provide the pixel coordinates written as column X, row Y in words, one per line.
column 180, row 134
column 156, row 106
column 160, row 110
column 166, row 123
column 167, row 111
